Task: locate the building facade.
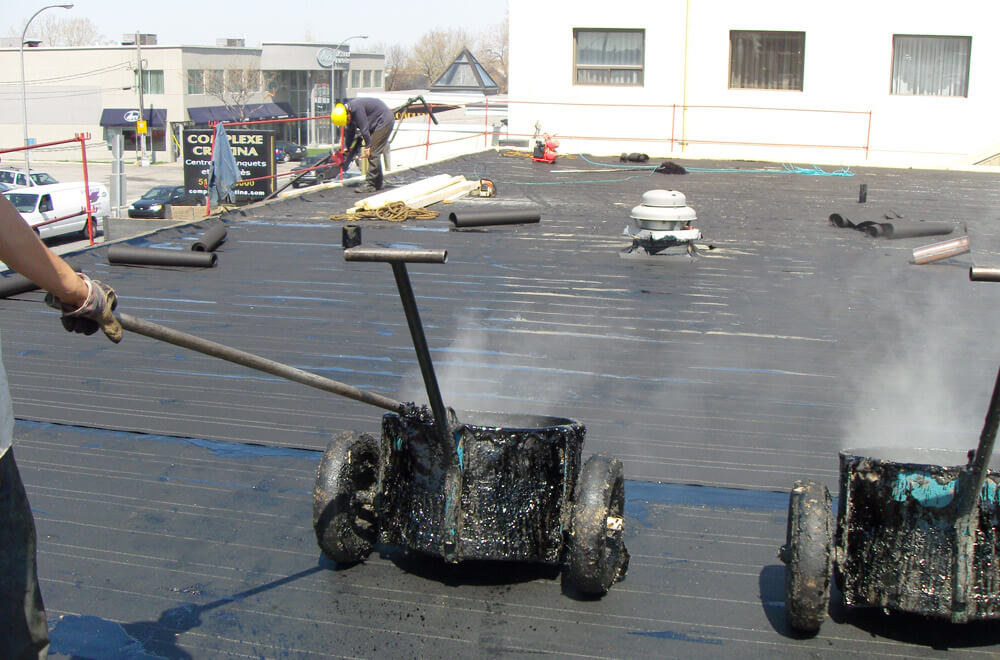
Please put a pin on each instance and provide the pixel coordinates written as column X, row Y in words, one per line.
column 895, row 83
column 97, row 90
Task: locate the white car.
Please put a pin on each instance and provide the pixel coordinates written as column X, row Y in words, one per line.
column 18, row 179
column 60, row 208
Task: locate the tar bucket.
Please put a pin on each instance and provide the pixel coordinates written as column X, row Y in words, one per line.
column 901, row 542
column 508, row 498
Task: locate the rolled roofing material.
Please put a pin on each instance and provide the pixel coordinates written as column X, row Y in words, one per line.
column 895, row 228
column 13, row 284
column 211, row 239
column 484, row 218
column 142, row 256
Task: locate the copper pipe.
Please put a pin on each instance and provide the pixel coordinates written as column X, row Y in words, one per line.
column 942, row 250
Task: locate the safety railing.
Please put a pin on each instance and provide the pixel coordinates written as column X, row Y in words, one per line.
column 81, row 139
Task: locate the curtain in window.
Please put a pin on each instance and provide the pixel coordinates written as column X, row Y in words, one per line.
column 930, row 66
column 608, row 48
column 600, row 53
column 766, row 60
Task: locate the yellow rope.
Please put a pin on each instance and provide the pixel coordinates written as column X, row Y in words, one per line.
column 391, row 212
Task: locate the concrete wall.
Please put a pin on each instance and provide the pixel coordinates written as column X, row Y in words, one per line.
column 848, row 63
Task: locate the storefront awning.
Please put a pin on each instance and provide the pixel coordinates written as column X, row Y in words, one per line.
column 127, row 117
column 254, row 112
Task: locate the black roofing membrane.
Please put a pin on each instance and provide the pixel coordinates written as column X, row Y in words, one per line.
column 151, row 546
column 746, row 368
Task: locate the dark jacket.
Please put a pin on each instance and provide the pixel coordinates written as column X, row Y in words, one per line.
column 367, row 116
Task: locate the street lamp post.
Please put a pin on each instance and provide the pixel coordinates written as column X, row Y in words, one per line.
column 24, row 93
column 333, row 76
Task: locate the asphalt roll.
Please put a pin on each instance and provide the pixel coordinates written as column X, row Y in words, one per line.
column 126, row 255
column 14, row 284
column 494, row 217
column 894, row 229
column 211, row 239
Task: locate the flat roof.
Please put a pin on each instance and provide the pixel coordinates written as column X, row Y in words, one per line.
column 172, row 492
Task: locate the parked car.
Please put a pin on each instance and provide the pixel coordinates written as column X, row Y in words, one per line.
column 18, row 179
column 314, row 176
column 295, row 152
column 155, row 201
column 60, row 208
column 279, row 155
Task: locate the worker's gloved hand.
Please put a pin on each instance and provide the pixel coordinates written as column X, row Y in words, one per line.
column 95, row 313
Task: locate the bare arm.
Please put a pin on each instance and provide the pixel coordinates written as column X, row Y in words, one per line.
column 23, row 251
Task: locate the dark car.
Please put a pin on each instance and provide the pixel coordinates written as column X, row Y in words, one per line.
column 294, row 151
column 155, row 201
column 279, row 155
column 329, row 171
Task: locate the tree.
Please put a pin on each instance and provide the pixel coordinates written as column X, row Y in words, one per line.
column 60, row 31
column 435, row 51
column 237, row 88
column 397, row 65
column 492, row 52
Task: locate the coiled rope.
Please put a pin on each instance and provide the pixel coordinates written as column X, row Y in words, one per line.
column 390, row 212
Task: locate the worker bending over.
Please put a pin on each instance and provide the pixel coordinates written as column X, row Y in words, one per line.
column 371, row 120
column 86, row 306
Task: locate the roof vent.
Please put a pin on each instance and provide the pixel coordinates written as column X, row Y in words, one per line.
column 231, row 43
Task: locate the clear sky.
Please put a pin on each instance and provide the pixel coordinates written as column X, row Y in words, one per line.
column 191, row 22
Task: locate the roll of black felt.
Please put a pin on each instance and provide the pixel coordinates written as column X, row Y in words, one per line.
column 142, row 256
column 211, row 239
column 13, row 284
column 894, row 229
column 493, row 217
column 914, row 229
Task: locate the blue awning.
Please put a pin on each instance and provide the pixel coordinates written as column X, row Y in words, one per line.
column 255, row 111
column 155, row 117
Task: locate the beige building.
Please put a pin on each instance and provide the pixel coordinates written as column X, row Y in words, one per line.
column 96, row 90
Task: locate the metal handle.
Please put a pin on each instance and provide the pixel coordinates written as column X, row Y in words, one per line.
column 984, row 274
column 395, row 255
column 236, row 356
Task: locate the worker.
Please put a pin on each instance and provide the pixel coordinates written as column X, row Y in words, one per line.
column 372, row 120
column 86, row 306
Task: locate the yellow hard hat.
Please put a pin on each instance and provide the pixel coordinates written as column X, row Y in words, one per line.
column 339, row 115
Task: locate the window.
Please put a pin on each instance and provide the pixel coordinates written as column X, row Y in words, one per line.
column 608, row 57
column 766, row 60
column 196, row 81
column 234, row 80
column 213, row 82
column 930, row 66
column 378, row 79
column 45, row 205
column 367, row 78
column 152, row 81
column 355, row 78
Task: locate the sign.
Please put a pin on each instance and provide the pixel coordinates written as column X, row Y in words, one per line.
column 140, row 127
column 339, row 59
column 254, row 154
column 132, row 116
column 325, row 57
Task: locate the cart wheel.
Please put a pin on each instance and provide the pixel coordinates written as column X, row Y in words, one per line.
column 343, row 512
column 807, row 554
column 596, row 556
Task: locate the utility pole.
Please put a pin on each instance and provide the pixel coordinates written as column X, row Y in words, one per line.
column 142, row 112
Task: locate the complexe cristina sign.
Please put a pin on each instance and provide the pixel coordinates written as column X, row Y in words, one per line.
column 254, row 153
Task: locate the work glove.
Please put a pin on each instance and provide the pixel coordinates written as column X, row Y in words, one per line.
column 94, row 313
